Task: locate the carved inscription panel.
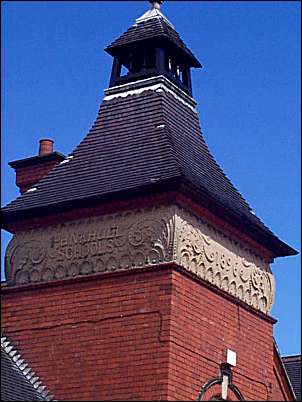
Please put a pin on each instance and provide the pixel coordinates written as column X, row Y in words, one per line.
column 101, row 244
column 136, row 239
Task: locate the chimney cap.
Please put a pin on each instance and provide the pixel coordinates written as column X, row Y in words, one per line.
column 46, row 139
column 35, row 160
column 46, row 146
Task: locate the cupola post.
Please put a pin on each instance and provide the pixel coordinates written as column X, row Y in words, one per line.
column 115, row 72
column 160, row 60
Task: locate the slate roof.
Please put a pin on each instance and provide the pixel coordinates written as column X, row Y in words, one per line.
column 293, row 367
column 136, row 141
column 18, row 381
column 152, row 28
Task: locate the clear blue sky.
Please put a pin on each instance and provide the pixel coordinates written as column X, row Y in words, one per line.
column 54, row 71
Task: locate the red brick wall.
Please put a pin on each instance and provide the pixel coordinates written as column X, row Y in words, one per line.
column 95, row 340
column 30, row 175
column 203, row 325
column 150, row 335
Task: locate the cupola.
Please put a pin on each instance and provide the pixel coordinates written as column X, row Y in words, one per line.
column 149, row 48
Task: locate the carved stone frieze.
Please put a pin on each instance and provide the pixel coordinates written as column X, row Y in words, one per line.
column 223, row 261
column 136, row 239
column 99, row 244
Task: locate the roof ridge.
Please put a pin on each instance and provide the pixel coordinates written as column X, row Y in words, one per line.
column 224, row 174
column 168, row 134
column 296, row 356
column 205, row 147
column 153, row 13
column 164, row 27
column 27, row 371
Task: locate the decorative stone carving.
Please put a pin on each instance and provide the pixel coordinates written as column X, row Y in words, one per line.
column 136, row 239
column 223, row 261
column 108, row 243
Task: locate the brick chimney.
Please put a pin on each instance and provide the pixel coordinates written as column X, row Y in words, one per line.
column 30, row 170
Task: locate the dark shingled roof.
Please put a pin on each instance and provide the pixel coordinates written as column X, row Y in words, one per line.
column 138, row 140
column 152, row 28
column 18, row 382
column 293, row 367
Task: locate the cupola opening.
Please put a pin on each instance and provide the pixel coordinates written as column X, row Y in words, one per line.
column 149, row 48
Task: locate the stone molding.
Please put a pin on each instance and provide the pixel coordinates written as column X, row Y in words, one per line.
column 136, row 239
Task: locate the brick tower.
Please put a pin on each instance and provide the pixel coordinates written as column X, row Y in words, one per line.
column 136, row 270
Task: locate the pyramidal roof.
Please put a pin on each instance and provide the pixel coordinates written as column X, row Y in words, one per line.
column 146, row 138
column 152, row 24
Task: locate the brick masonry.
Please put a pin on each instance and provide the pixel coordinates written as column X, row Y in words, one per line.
column 205, row 324
column 27, row 176
column 152, row 335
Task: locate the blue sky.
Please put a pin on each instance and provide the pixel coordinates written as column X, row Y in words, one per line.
column 54, row 71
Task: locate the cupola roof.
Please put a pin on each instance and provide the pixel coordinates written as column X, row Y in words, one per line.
column 150, row 26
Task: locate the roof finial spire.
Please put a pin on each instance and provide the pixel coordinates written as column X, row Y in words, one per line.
column 155, row 4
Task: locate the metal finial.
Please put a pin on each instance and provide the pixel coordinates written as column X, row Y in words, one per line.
column 155, row 4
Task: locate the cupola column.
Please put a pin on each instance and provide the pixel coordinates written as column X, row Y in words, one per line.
column 160, row 60
column 116, row 71
column 187, row 78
